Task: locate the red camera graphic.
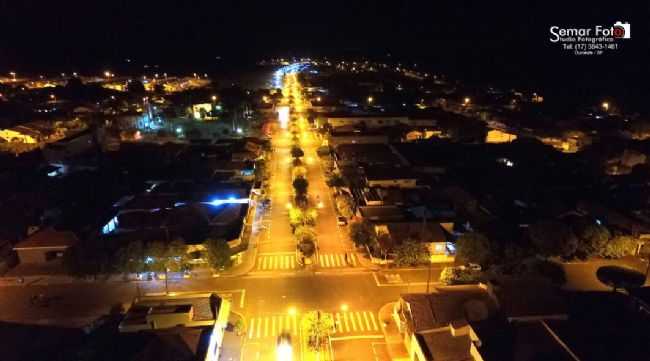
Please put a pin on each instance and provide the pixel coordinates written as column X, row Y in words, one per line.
column 621, row 30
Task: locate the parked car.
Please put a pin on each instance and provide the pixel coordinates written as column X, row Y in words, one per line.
column 341, row 221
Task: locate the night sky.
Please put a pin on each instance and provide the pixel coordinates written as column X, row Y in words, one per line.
column 481, row 41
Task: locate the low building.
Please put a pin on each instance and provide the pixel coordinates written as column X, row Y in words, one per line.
column 431, row 234
column 366, row 154
column 436, row 326
column 45, row 246
column 196, row 321
column 337, row 138
column 368, row 120
column 390, row 176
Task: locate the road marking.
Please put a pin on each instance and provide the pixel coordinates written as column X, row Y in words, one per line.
column 353, row 259
column 251, row 328
column 273, row 327
column 259, row 328
column 292, row 262
column 339, row 325
column 374, row 323
column 266, row 327
column 280, row 320
column 354, row 323
column 345, row 318
column 359, row 320
column 365, row 317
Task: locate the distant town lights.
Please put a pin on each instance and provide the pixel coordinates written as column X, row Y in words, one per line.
column 605, row 106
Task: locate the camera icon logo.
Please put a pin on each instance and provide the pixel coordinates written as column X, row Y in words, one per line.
column 621, row 30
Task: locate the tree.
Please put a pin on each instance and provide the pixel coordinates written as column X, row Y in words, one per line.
column 336, row 181
column 176, row 256
column 553, row 238
column 475, row 248
column 619, row 246
column 296, row 217
column 86, row 259
column 135, row 87
column 411, row 253
column 130, row 259
column 317, row 325
column 362, row 233
column 458, row 276
column 218, row 253
column 155, row 256
column 296, row 152
column 593, row 239
column 300, row 185
column 299, row 172
column 345, row 205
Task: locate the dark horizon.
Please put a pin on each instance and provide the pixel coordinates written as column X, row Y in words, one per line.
column 506, row 45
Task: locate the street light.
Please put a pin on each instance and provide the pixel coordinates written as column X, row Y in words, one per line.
column 13, row 75
column 466, row 101
column 605, row 106
column 214, row 98
column 344, row 307
column 292, row 311
column 370, row 99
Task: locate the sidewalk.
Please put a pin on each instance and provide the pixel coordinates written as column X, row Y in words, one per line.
column 394, row 340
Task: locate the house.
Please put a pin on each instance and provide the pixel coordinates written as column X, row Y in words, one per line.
column 379, row 214
column 393, row 234
column 386, row 176
column 436, row 326
column 366, row 154
column 509, row 319
column 187, row 327
column 338, row 137
column 378, row 120
column 45, row 246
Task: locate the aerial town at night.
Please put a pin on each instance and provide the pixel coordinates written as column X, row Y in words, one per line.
column 332, row 182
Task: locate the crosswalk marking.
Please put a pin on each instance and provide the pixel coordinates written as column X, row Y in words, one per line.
column 365, row 317
column 266, row 326
column 346, row 322
column 339, row 326
column 251, row 326
column 355, row 321
column 337, row 260
column 272, row 325
column 359, row 320
column 372, row 318
column 276, row 262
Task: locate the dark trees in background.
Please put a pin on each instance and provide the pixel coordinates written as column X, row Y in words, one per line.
column 553, row 238
column 475, row 248
column 218, row 253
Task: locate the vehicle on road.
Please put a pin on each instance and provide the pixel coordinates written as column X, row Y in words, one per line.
column 284, row 350
column 341, row 221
